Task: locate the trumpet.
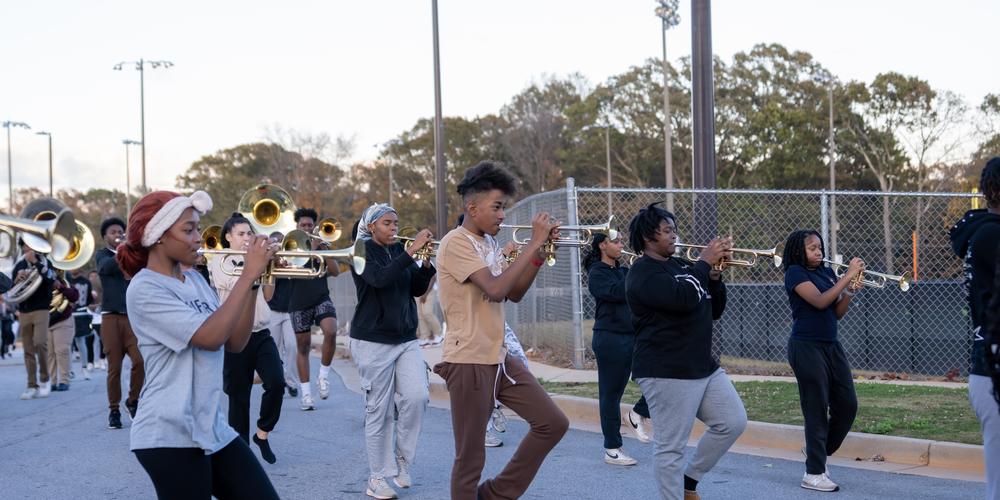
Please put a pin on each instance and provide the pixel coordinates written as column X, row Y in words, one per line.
column 749, row 260
column 211, row 237
column 871, row 279
column 584, row 235
column 408, row 235
column 630, row 257
column 294, row 249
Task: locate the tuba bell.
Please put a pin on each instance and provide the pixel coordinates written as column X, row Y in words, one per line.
column 268, row 208
column 81, row 250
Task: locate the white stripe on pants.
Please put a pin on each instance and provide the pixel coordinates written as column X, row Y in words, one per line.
column 981, row 397
column 393, row 376
column 284, row 339
column 673, row 406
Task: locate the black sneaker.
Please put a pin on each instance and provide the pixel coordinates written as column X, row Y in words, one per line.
column 132, row 407
column 115, row 420
column 61, row 387
column 293, row 392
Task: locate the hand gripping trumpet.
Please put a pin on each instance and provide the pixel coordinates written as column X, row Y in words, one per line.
column 581, row 236
column 870, row 279
column 749, row 257
column 408, row 235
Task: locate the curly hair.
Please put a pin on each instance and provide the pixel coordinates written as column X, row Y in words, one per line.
column 646, row 224
column 486, row 176
column 306, row 212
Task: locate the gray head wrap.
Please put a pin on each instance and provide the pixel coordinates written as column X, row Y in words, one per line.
column 369, row 216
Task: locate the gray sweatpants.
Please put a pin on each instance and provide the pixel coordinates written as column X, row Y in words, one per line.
column 284, row 340
column 673, row 406
column 393, row 376
column 981, row 397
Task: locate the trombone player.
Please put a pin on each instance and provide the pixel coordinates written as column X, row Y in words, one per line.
column 310, row 304
column 33, row 314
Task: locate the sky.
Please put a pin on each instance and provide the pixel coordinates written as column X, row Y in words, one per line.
column 365, row 69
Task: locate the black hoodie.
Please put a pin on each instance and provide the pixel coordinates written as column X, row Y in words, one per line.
column 386, row 312
column 974, row 238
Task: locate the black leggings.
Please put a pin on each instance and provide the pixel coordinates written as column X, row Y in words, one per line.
column 260, row 355
column 188, row 473
column 614, row 366
column 826, row 393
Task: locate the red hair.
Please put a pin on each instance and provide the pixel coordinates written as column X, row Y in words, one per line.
column 131, row 255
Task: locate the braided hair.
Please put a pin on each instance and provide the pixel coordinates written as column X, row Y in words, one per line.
column 795, row 248
column 646, row 224
column 989, row 182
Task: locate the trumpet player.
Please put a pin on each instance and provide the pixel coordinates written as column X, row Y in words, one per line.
column 260, row 354
column 384, row 346
column 310, row 304
column 33, row 315
column 116, row 332
column 673, row 303
column 826, row 388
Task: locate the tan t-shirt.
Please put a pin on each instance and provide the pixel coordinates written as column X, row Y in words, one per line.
column 224, row 283
column 475, row 324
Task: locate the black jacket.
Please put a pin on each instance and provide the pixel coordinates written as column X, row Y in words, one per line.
column 607, row 285
column 673, row 304
column 112, row 281
column 42, row 298
column 386, row 312
column 974, row 238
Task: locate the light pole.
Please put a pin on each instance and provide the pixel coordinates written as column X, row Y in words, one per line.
column 51, row 195
column 667, row 12
column 439, row 170
column 140, row 66
column 128, row 176
column 10, row 175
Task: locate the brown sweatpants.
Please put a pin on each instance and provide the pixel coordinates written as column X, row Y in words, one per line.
column 470, row 388
column 118, row 340
column 34, row 333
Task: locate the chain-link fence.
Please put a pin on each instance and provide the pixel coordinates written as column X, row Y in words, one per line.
column 924, row 330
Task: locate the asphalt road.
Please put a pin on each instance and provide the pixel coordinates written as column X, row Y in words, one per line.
column 60, row 447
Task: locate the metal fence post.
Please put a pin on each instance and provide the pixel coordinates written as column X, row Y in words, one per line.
column 824, row 222
column 575, row 278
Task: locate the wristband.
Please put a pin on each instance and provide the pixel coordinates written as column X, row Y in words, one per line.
column 537, row 262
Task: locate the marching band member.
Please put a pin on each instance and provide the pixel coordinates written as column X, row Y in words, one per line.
column 385, row 348
column 181, row 437
column 673, row 302
column 826, row 387
column 33, row 316
column 260, row 354
column 613, row 344
column 475, row 366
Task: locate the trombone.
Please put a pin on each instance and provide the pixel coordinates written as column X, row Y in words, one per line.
column 750, row 259
column 408, row 235
column 871, row 279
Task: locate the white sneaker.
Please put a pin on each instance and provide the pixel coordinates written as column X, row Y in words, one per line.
column 499, row 420
column 44, row 389
column 29, row 394
column 402, row 479
column 818, row 482
column 423, row 342
column 86, row 373
column 639, row 426
column 379, row 488
column 437, row 340
column 307, row 403
column 493, row 441
column 90, row 366
column 618, row 457
column 324, row 388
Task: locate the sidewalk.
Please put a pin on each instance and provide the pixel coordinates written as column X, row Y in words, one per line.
column 901, row 455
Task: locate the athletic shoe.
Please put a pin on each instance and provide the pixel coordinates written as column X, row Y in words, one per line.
column 31, row 393
column 90, row 366
column 618, row 457
column 437, row 340
column 115, row 419
column 379, row 488
column 44, row 389
column 499, row 420
column 402, row 478
column 86, row 373
column 492, row 440
column 61, row 387
column 293, row 392
column 132, row 407
column 818, row 482
column 324, row 388
column 307, row 403
column 638, row 424
column 423, row 342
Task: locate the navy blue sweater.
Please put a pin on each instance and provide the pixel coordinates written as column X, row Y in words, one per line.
column 607, row 285
column 386, row 312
